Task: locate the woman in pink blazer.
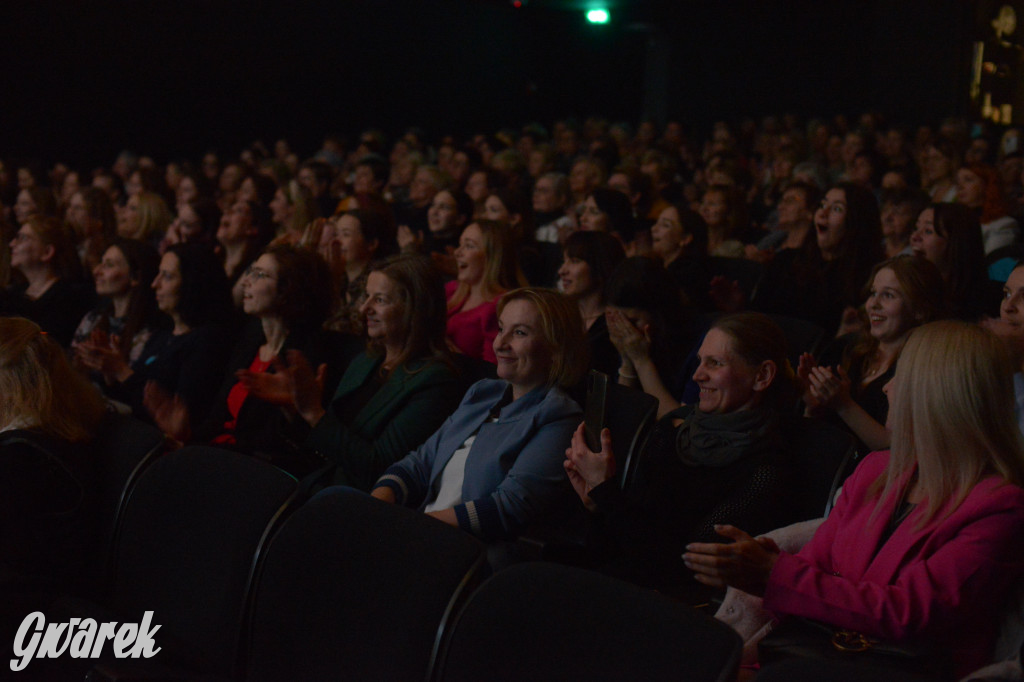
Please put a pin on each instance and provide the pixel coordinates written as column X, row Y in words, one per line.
column 926, row 538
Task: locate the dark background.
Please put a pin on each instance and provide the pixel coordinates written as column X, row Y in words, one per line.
column 82, row 79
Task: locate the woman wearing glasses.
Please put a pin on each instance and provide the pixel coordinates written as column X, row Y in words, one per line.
column 288, row 292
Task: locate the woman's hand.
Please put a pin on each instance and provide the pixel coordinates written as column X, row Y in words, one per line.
column 384, row 494
column 100, row 354
column 272, row 388
column 830, row 389
column 803, row 381
column 169, row 412
column 588, row 469
column 307, row 387
column 744, row 564
column 632, row 343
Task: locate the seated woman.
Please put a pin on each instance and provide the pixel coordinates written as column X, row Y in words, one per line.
column 289, row 293
column 949, row 236
column 182, row 366
column 706, row 464
column 679, row 239
column 900, row 209
column 822, row 282
column 394, row 394
column 494, row 465
column 651, row 328
column 608, row 210
column 902, row 294
column 590, row 260
column 354, row 240
column 979, row 186
column 924, row 541
column 291, row 209
column 48, row 415
column 113, row 335
column 145, row 217
column 487, row 268
column 1009, row 326
column 244, row 229
column 90, row 214
column 724, row 210
column 52, row 294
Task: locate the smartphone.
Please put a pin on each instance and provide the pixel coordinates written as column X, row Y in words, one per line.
column 593, row 417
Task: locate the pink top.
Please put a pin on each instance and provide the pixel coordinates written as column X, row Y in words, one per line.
column 945, row 582
column 473, row 331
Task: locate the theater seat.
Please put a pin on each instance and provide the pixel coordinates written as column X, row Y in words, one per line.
column 544, row 622
column 192, row 530
column 356, row 589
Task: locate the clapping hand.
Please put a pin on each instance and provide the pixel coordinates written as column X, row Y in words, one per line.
column 588, row 469
column 830, row 389
column 744, row 563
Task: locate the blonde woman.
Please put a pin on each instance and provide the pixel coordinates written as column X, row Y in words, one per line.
column 924, row 542
column 486, row 268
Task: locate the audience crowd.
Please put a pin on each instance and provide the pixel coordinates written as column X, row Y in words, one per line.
column 420, row 313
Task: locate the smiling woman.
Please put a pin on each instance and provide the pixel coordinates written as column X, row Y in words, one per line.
column 487, row 267
column 902, row 294
column 495, row 464
column 703, row 464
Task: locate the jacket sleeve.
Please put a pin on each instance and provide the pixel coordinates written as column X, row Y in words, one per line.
column 535, row 480
column 362, row 457
column 409, row 477
column 931, row 594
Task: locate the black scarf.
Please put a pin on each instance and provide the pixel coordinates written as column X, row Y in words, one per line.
column 718, row 440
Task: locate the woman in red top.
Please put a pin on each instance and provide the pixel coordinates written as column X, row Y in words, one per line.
column 486, row 268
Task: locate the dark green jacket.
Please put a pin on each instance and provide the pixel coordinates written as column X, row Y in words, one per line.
column 407, row 409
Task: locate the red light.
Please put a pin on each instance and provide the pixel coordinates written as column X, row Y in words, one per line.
column 517, row 3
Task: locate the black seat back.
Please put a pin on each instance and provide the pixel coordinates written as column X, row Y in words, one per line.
column 540, row 622
column 353, row 588
column 192, row 531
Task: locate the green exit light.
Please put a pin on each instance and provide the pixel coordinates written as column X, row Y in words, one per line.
column 597, row 16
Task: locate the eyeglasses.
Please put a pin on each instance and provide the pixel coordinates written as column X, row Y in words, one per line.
column 257, row 274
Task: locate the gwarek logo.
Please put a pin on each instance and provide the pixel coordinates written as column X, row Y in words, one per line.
column 81, row 638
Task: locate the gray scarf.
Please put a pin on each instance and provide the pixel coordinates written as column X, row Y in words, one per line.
column 718, row 440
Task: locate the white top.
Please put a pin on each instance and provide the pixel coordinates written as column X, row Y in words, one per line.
column 1000, row 232
column 450, row 493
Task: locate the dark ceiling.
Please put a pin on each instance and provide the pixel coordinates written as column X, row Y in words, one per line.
column 83, row 80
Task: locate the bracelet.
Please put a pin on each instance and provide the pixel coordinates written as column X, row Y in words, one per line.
column 627, row 376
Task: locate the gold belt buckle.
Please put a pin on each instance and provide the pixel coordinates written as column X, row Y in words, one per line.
column 850, row 641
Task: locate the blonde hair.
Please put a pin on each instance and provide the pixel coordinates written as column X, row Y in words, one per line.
column 39, row 388
column 501, row 265
column 561, row 327
column 154, row 216
column 952, row 415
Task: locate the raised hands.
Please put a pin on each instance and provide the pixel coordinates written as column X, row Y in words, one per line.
column 294, row 384
column 100, row 353
column 588, row 469
column 744, row 563
column 633, row 344
column 830, row 388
